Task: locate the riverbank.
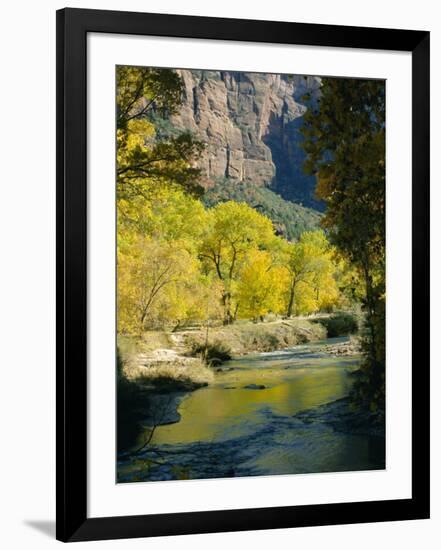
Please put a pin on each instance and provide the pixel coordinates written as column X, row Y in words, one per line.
column 248, row 337
column 347, row 348
column 278, row 412
column 167, row 359
column 163, row 397
column 161, row 368
column 166, row 370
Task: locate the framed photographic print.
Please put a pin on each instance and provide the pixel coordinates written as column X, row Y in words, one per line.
column 242, row 274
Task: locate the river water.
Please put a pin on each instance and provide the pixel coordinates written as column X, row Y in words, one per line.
column 249, row 422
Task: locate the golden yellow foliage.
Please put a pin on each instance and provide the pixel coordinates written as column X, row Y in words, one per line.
column 260, row 286
column 155, row 283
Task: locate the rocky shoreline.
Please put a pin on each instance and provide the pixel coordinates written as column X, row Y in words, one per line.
column 178, row 368
column 163, row 376
column 349, row 348
column 163, row 395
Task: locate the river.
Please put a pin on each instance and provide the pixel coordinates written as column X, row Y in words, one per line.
column 265, row 414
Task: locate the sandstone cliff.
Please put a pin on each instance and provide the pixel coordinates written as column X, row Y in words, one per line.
column 250, row 123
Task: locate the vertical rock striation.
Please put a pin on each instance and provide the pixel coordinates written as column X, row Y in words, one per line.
column 250, row 123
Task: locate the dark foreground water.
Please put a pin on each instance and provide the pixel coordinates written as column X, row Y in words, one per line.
column 265, row 414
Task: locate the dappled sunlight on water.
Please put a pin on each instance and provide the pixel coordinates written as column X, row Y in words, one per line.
column 293, row 381
column 228, row 429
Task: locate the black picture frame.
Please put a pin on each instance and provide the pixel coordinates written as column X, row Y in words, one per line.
column 72, row 28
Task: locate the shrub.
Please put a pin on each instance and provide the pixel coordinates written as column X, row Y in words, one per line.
column 339, row 324
column 214, row 353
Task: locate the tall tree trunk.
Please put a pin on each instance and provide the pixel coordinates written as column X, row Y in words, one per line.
column 236, row 309
column 226, row 302
column 291, row 300
column 143, row 316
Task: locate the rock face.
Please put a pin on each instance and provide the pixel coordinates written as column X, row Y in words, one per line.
column 250, row 123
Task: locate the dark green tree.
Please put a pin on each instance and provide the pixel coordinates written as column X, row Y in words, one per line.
column 142, row 158
column 344, row 140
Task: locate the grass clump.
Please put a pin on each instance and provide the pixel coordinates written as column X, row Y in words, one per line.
column 144, row 343
column 176, row 375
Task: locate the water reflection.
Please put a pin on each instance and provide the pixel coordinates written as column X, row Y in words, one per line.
column 231, row 428
column 293, row 381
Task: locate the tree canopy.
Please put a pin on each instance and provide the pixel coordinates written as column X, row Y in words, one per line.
column 345, row 145
column 142, row 159
column 183, row 262
column 180, row 260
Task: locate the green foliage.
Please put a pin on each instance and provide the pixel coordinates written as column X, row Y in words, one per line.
column 341, row 323
column 345, row 147
column 290, row 219
column 164, row 129
column 142, row 158
column 140, row 89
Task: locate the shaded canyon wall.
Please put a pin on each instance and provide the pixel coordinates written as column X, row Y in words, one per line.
column 250, row 123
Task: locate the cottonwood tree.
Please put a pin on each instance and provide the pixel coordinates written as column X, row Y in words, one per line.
column 260, row 284
column 233, row 230
column 154, row 283
column 309, row 266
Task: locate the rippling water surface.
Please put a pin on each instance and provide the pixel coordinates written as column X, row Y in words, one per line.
column 246, row 424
